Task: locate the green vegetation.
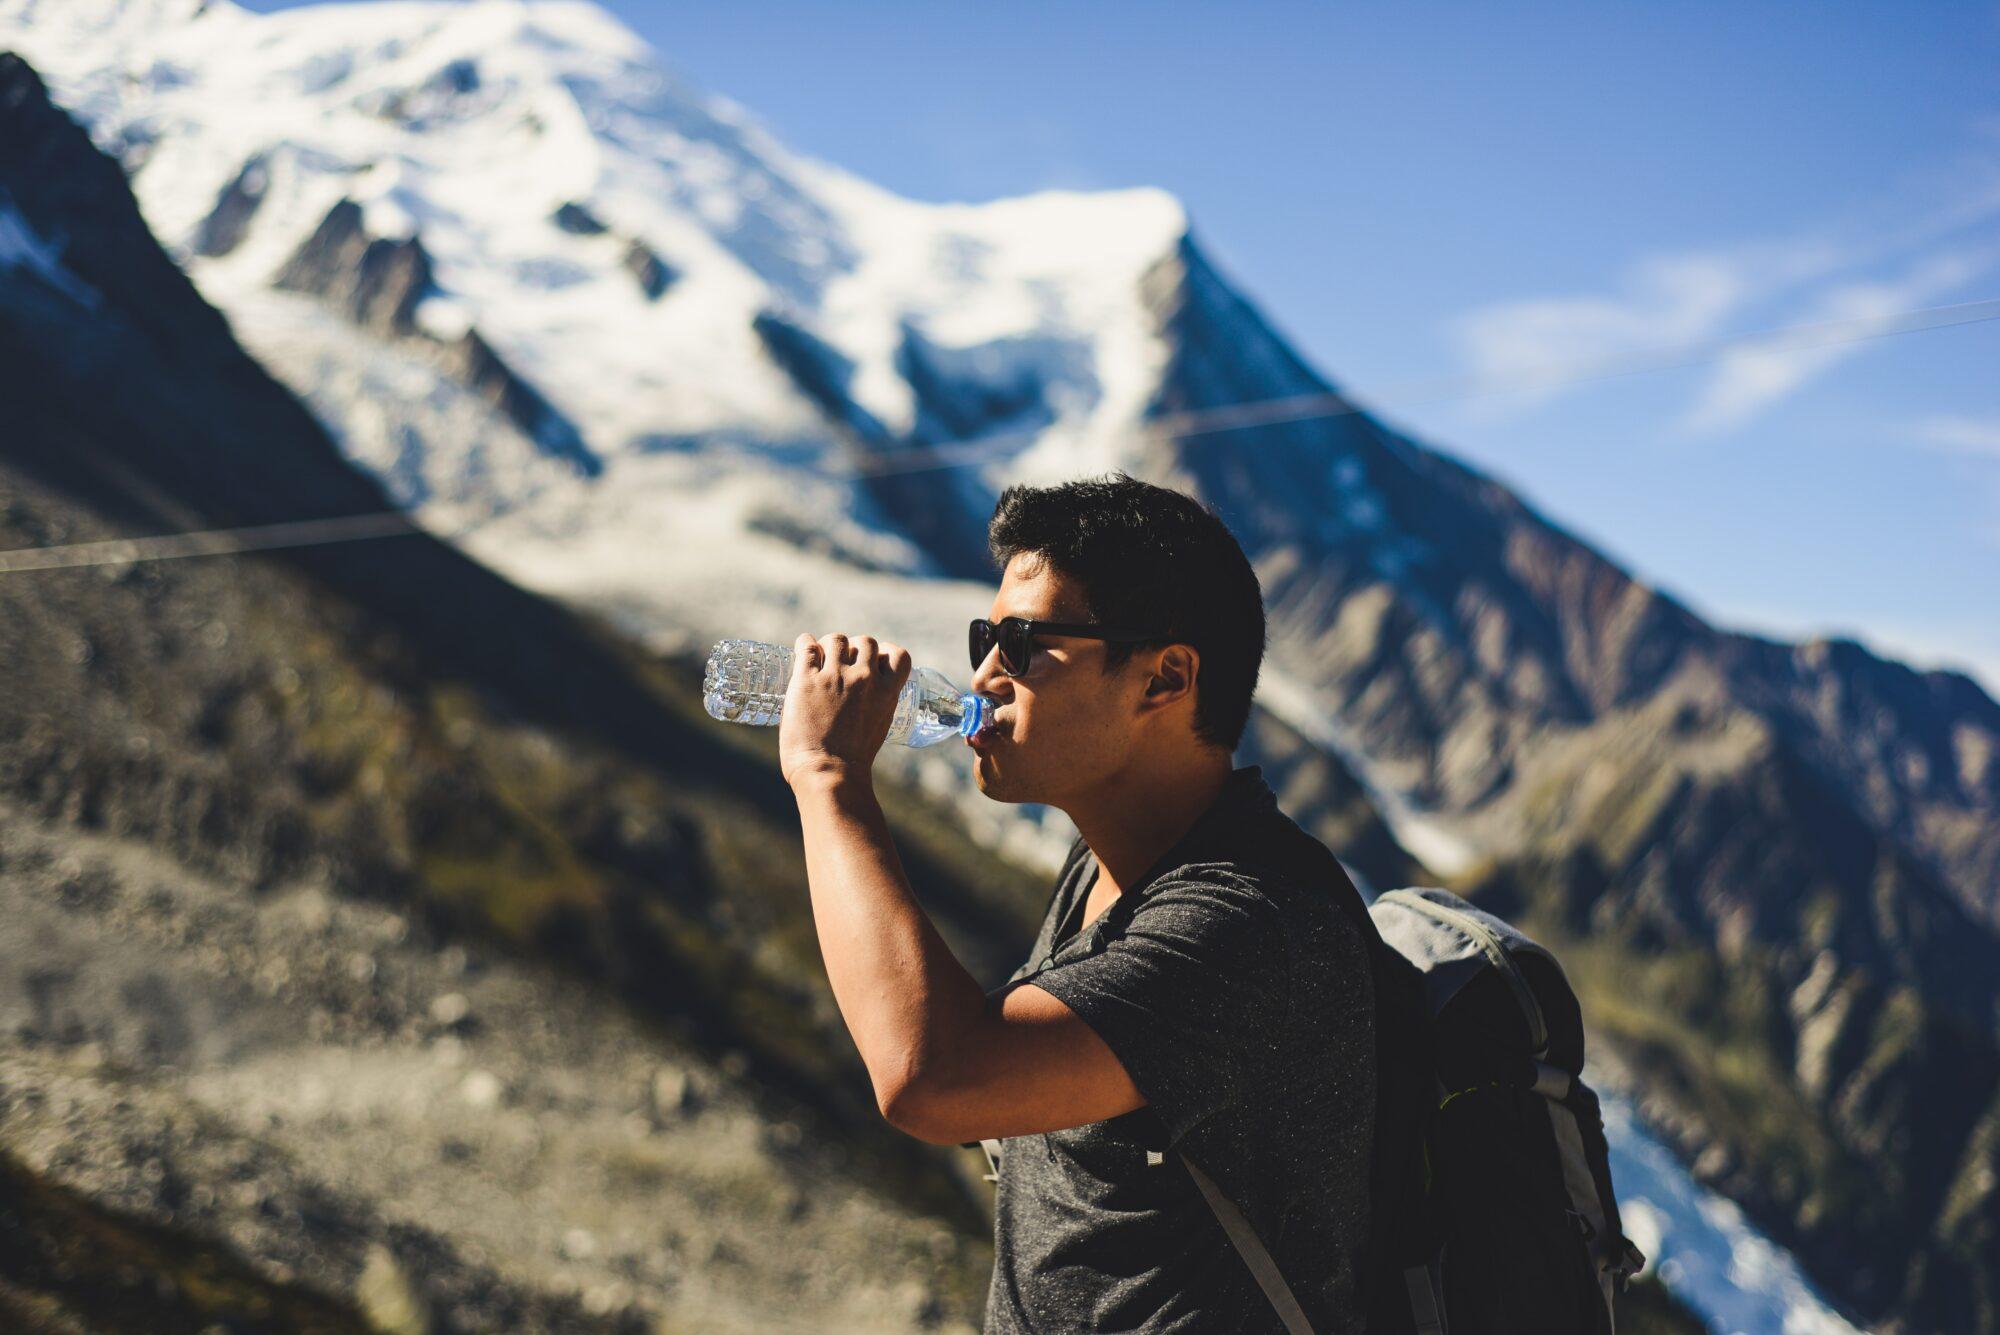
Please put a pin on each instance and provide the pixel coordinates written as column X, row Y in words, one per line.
column 67, row 1263
column 1707, row 1029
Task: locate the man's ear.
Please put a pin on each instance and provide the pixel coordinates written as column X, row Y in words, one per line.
column 1173, row 675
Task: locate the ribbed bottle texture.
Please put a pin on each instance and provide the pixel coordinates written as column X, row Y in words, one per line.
column 745, row 682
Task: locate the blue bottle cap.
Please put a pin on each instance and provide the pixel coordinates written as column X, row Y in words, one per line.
column 974, row 709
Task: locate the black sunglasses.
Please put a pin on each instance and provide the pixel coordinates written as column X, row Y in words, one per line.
column 1016, row 637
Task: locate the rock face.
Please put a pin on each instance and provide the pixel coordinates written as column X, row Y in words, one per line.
column 222, row 230
column 653, row 274
column 471, row 361
column 928, row 506
column 352, row 874
column 378, row 283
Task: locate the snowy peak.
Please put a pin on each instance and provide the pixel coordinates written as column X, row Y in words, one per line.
column 614, row 233
column 112, row 19
column 548, row 252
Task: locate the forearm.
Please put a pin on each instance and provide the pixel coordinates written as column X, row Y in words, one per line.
column 904, row 995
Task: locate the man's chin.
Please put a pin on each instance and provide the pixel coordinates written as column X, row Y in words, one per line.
column 992, row 784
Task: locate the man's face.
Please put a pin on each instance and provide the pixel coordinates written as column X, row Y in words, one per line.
column 1062, row 725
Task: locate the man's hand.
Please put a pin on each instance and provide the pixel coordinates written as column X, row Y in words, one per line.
column 839, row 704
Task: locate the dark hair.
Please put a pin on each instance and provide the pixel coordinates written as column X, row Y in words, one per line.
column 1148, row 557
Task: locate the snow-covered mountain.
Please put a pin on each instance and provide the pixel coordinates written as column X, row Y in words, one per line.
column 602, row 327
column 627, row 349
column 664, row 274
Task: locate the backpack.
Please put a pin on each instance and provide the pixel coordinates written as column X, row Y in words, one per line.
column 1495, row 1212
column 1520, row 1195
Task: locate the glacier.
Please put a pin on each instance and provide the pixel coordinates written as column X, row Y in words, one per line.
column 1701, row 1246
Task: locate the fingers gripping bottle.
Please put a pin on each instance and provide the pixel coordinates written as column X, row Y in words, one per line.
column 745, row 682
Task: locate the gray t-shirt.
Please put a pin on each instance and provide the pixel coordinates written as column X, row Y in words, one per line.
column 1233, row 984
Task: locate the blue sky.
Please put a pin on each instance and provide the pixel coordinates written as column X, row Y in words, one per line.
column 1439, row 202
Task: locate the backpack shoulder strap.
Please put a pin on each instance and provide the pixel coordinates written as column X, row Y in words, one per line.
column 1421, row 1281
column 1239, row 1231
column 1245, row 1237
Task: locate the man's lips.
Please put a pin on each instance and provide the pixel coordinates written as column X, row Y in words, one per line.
column 985, row 737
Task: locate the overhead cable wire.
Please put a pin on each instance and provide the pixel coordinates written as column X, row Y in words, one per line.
column 1183, row 425
column 213, row 542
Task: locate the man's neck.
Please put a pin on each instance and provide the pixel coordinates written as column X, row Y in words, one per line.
column 1138, row 815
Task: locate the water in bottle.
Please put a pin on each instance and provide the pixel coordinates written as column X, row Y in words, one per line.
column 745, row 682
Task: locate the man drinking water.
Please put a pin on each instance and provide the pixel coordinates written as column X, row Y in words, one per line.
column 1200, row 990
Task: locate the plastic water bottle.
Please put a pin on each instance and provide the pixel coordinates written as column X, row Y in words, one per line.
column 745, row 682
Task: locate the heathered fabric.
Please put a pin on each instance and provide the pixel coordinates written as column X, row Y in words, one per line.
column 1232, row 981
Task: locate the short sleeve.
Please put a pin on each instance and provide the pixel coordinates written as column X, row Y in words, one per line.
column 1191, row 996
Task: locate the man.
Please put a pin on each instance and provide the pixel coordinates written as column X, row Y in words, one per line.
column 1202, row 985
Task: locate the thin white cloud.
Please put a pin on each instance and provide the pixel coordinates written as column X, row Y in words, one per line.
column 1531, row 350
column 1752, row 377
column 1961, row 434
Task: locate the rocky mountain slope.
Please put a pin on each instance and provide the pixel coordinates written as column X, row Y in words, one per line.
column 1776, row 858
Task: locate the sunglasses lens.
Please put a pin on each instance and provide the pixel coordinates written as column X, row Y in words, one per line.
column 1016, row 643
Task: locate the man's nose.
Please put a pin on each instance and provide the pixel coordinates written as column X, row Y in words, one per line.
column 987, row 678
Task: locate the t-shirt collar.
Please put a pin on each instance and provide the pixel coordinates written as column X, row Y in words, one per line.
column 1244, row 793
